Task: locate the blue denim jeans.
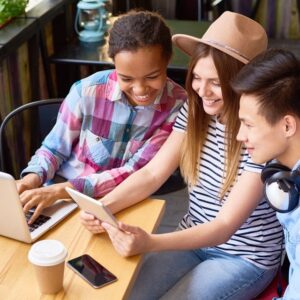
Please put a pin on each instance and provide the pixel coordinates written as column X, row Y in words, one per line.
column 207, row 274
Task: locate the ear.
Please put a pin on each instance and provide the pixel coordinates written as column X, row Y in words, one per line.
column 290, row 125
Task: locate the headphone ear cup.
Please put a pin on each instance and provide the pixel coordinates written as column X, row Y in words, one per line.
column 276, row 197
column 281, row 191
column 294, row 198
column 270, row 169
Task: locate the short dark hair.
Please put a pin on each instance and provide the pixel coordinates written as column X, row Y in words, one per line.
column 274, row 78
column 137, row 29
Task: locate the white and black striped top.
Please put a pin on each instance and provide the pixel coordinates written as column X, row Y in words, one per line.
column 260, row 237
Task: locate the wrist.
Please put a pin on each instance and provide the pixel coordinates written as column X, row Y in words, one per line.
column 152, row 244
column 59, row 189
column 33, row 180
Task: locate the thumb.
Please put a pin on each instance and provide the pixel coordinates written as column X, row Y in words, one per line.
column 127, row 228
column 106, row 226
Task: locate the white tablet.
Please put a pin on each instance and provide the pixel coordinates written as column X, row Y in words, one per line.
column 92, row 206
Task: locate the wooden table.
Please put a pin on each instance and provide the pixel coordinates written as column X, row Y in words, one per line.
column 17, row 277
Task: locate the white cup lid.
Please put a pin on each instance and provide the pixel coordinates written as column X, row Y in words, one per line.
column 47, row 253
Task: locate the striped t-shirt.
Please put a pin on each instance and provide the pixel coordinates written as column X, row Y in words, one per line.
column 259, row 239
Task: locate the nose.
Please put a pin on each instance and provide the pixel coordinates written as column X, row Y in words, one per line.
column 241, row 135
column 204, row 89
column 140, row 88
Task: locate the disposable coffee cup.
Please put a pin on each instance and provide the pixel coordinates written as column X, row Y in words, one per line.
column 48, row 258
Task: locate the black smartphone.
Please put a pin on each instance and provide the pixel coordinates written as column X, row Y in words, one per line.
column 90, row 270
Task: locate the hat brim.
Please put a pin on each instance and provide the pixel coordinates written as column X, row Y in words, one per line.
column 188, row 44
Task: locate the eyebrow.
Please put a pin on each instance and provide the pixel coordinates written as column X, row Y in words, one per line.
column 211, row 79
column 152, row 73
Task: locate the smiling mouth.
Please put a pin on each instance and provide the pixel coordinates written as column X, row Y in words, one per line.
column 250, row 150
column 210, row 102
column 141, row 97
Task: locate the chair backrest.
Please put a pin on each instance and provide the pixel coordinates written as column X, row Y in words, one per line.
column 23, row 130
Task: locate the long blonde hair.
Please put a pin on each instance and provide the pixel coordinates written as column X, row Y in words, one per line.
column 198, row 120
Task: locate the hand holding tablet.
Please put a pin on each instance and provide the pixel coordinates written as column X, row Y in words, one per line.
column 92, row 206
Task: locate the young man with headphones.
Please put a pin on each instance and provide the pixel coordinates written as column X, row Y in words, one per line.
column 270, row 128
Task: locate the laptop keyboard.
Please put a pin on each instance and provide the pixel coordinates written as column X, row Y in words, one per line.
column 41, row 219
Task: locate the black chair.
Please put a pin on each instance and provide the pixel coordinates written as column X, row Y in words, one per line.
column 23, row 130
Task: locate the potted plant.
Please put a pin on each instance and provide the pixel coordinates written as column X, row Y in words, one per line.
column 10, row 9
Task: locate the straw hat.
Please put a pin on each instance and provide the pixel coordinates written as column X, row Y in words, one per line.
column 232, row 33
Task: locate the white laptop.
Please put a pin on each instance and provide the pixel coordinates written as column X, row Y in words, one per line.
column 13, row 222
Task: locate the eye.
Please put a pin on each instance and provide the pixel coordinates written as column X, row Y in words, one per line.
column 196, row 77
column 125, row 79
column 216, row 83
column 152, row 77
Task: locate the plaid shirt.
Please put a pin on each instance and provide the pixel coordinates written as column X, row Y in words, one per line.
column 99, row 139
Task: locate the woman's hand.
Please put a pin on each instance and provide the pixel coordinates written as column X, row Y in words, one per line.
column 28, row 182
column 91, row 223
column 42, row 197
column 128, row 240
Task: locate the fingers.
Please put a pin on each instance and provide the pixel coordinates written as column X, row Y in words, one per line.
column 36, row 213
column 111, row 230
column 128, row 228
column 31, row 199
column 30, row 181
column 20, row 186
column 26, row 198
column 128, row 240
column 123, row 241
column 36, row 198
column 91, row 223
column 86, row 217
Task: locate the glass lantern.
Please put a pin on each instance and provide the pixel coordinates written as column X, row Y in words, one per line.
column 91, row 22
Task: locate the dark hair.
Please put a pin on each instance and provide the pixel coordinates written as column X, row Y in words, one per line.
column 274, row 78
column 137, row 29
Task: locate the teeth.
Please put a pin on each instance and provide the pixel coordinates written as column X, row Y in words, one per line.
column 141, row 97
column 210, row 101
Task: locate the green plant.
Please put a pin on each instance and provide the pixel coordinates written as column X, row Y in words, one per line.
column 11, row 8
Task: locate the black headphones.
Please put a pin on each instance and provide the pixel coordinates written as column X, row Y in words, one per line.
column 281, row 186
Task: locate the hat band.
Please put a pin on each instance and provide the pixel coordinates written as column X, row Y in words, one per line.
column 227, row 48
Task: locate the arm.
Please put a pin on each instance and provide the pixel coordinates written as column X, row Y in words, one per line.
column 147, row 180
column 131, row 240
column 142, row 183
column 99, row 184
column 58, row 144
column 55, row 149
